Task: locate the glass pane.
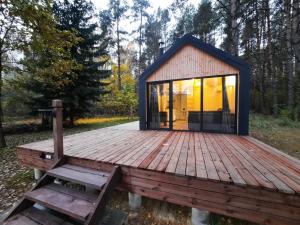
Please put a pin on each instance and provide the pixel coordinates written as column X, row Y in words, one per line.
column 159, row 106
column 229, row 123
column 212, row 104
column 186, row 104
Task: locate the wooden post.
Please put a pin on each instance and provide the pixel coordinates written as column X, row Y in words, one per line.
column 58, row 129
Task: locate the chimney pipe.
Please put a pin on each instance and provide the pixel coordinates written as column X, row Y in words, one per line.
column 161, row 48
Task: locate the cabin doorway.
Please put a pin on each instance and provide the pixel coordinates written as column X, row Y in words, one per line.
column 186, row 104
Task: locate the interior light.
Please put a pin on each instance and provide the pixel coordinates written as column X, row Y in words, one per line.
column 197, row 82
column 230, row 81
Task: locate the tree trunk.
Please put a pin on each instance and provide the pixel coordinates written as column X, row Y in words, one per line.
column 259, row 73
column 119, row 57
column 289, row 59
column 296, row 49
column 140, row 42
column 271, row 61
column 2, row 139
column 234, row 28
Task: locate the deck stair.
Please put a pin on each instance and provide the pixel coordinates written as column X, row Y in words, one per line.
column 59, row 203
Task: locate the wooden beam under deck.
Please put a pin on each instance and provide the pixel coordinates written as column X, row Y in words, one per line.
column 225, row 174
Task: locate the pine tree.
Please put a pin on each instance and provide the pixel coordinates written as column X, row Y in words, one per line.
column 185, row 24
column 117, row 9
column 155, row 31
column 139, row 9
column 205, row 22
column 89, row 54
column 29, row 25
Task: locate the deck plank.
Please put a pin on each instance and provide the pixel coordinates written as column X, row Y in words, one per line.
column 163, row 151
column 264, row 171
column 210, row 166
column 200, row 163
column 292, row 180
column 174, row 158
column 167, row 157
column 234, row 174
column 182, row 160
column 191, row 158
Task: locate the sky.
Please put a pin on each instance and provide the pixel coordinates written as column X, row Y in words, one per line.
column 127, row 22
column 100, row 4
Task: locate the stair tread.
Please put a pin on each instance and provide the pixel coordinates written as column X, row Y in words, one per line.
column 34, row 216
column 91, row 178
column 73, row 203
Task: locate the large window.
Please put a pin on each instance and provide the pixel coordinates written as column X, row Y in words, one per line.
column 219, row 104
column 202, row 104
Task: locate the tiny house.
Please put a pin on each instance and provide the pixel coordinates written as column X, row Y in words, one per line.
column 194, row 86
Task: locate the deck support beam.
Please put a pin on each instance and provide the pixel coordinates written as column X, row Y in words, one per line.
column 200, row 217
column 134, row 201
column 37, row 173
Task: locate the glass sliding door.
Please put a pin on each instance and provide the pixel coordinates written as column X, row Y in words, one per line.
column 200, row 104
column 212, row 104
column 219, row 104
column 159, row 106
column 186, row 104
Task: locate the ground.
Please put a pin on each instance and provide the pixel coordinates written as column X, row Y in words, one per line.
column 281, row 133
column 15, row 179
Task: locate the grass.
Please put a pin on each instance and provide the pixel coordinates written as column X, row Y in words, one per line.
column 281, row 133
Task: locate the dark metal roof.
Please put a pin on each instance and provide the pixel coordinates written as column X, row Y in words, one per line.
column 191, row 40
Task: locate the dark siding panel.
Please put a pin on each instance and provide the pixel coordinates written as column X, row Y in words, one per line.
column 244, row 101
column 142, row 104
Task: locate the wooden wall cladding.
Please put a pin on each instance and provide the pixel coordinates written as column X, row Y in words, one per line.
column 190, row 62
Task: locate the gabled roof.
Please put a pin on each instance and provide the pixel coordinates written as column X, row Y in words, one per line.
column 187, row 39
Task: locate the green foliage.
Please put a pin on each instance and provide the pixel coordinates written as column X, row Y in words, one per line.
column 202, row 22
column 120, row 102
column 29, row 27
column 155, row 31
column 89, row 53
column 205, row 22
column 185, row 23
column 66, row 61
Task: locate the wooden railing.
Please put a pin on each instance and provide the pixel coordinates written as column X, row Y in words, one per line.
column 58, row 129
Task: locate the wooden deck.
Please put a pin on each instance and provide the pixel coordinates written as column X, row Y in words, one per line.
column 226, row 174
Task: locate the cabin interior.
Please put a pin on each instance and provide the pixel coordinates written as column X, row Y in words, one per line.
column 198, row 104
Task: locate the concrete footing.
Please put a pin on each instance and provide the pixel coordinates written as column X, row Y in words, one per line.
column 200, row 217
column 134, row 201
column 37, row 173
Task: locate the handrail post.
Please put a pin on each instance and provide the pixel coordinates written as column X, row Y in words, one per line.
column 58, row 129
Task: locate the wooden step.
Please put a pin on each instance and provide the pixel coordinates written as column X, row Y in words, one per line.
column 34, row 216
column 88, row 177
column 76, row 204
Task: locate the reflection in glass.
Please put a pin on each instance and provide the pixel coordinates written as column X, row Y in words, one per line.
column 228, row 117
column 159, row 106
